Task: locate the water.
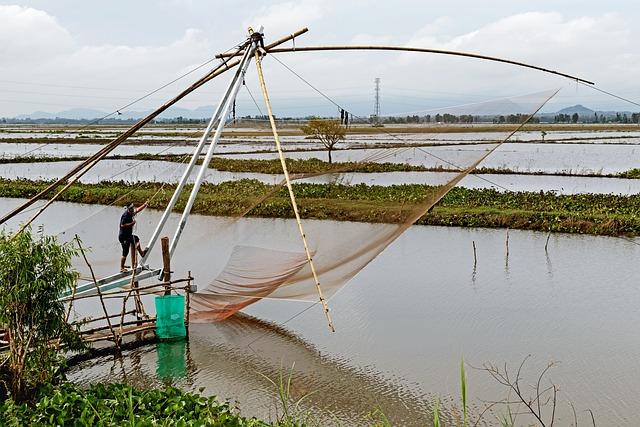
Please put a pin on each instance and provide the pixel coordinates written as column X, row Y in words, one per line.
column 596, row 152
column 404, row 322
column 170, row 172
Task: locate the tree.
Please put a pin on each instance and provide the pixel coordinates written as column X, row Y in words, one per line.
column 329, row 132
column 575, row 117
column 34, row 271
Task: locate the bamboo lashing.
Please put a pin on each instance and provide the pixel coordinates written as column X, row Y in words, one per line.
column 267, row 102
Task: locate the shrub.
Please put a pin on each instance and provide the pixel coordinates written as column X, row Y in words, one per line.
column 34, row 271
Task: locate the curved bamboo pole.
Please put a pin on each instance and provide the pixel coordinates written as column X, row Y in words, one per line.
column 413, row 49
column 267, row 102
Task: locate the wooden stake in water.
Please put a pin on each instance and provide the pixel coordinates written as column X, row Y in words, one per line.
column 546, row 244
column 475, row 256
column 506, row 243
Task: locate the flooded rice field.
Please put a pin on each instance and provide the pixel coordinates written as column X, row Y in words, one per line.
column 170, row 172
column 403, row 322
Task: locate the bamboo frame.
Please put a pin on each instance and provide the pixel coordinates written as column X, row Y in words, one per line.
column 91, row 161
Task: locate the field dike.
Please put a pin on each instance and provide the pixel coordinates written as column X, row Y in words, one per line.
column 609, row 215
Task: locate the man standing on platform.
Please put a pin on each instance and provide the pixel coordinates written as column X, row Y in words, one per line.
column 125, row 234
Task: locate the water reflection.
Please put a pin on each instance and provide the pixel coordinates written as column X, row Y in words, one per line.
column 219, row 359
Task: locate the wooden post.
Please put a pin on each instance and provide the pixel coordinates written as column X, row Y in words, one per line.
column 506, row 243
column 188, row 308
column 166, row 265
column 546, row 244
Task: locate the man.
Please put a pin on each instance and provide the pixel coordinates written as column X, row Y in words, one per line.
column 126, row 236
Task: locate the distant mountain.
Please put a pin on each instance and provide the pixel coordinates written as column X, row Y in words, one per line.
column 73, row 113
column 580, row 109
column 90, row 114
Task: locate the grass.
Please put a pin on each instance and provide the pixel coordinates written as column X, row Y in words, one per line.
column 120, row 404
column 610, row 215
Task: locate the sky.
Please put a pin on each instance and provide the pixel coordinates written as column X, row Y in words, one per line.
column 62, row 54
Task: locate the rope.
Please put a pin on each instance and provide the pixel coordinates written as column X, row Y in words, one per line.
column 265, row 95
column 611, row 94
column 396, row 137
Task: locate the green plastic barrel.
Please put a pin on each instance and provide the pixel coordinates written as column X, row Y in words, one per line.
column 170, row 317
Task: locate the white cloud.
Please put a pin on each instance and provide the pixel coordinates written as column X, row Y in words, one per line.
column 283, row 18
column 28, row 34
column 590, row 47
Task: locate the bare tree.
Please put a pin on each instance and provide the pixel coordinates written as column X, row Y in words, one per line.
column 329, row 132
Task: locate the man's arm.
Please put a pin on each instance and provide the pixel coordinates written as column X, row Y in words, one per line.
column 142, row 207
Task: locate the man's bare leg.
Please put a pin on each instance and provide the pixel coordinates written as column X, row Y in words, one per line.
column 141, row 251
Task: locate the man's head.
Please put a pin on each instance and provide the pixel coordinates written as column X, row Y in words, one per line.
column 130, row 207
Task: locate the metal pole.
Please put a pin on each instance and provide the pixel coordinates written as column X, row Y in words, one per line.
column 244, row 64
column 215, row 119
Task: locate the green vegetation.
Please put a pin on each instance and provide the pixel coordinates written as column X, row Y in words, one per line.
column 587, row 213
column 34, row 271
column 119, row 404
column 631, row 174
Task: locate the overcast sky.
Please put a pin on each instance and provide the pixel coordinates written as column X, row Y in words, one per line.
column 56, row 55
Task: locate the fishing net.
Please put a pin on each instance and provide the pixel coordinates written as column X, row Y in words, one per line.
column 240, row 260
column 273, row 265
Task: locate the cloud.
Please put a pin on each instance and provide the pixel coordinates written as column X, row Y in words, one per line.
column 31, row 35
column 591, row 47
column 283, row 18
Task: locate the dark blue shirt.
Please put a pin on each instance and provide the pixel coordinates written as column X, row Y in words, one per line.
column 126, row 218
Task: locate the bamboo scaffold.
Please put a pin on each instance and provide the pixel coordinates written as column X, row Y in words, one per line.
column 78, row 171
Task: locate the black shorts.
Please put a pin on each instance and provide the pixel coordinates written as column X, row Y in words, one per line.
column 125, row 242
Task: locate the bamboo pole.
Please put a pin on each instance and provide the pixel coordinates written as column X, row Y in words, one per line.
column 127, row 323
column 427, row 50
column 122, row 292
column 278, row 42
column 135, row 330
column 104, row 308
column 97, row 319
column 267, row 102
